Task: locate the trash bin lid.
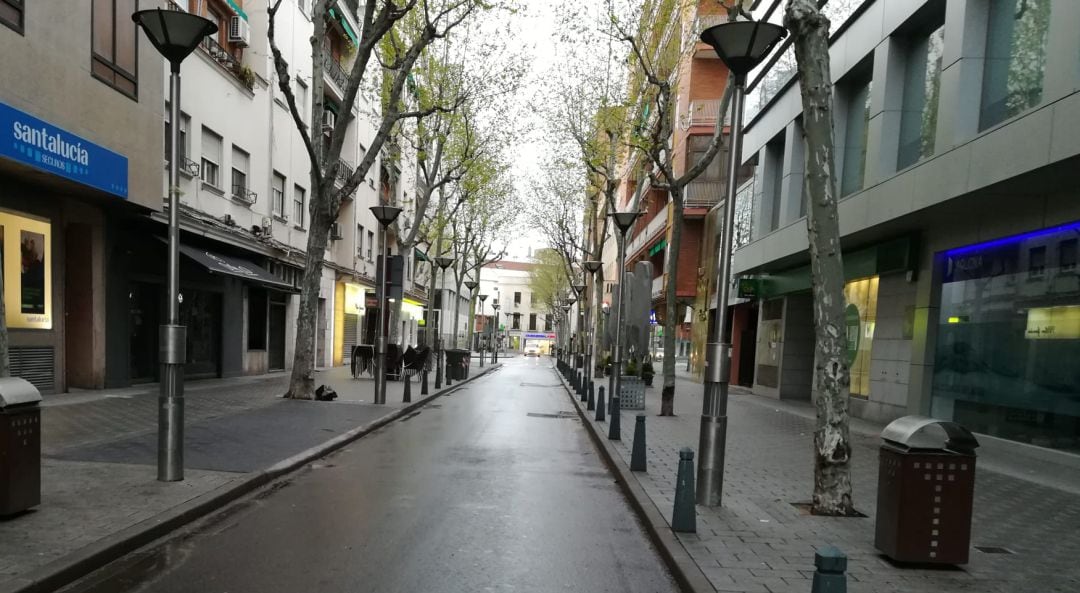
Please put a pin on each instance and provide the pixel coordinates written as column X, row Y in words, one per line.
column 922, row 432
column 16, row 392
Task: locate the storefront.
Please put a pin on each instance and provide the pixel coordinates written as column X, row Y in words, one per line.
column 543, row 341
column 1009, row 338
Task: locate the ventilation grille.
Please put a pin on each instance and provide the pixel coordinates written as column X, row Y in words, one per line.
column 36, row 365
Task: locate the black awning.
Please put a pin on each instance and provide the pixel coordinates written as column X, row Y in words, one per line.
column 234, row 266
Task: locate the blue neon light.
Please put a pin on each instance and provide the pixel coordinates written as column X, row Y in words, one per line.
column 1072, row 226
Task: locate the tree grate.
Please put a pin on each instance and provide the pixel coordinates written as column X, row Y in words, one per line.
column 994, row 550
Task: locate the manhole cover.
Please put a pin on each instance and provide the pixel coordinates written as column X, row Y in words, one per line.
column 559, row 414
column 994, row 550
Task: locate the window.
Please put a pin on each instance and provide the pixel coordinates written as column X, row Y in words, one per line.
column 303, row 6
column 1015, row 59
column 922, row 84
column 211, row 158
column 185, row 142
column 300, row 92
column 532, row 321
column 856, row 125
column 1036, row 261
column 532, row 299
column 547, row 323
column 370, row 242
column 256, row 307
column 517, row 299
column 277, row 196
column 298, row 206
column 1067, row 255
column 11, row 14
column 240, row 174
column 774, row 169
column 114, row 42
column 699, row 145
column 360, row 240
column 516, row 323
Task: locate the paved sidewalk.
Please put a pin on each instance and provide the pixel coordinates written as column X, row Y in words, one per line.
column 99, row 455
column 758, row 541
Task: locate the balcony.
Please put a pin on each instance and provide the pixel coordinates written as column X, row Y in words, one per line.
column 703, row 193
column 344, row 171
column 658, row 285
column 653, row 229
column 335, row 71
column 244, row 195
column 704, row 112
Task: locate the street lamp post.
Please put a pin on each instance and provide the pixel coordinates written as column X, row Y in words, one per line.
column 175, row 34
column 591, row 267
column 443, row 262
column 471, row 285
column 582, row 321
column 567, row 335
column 741, row 45
column 487, row 325
column 386, row 215
column 495, row 333
column 623, row 222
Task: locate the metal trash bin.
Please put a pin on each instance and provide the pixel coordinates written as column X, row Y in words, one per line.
column 457, row 363
column 926, row 489
column 20, row 446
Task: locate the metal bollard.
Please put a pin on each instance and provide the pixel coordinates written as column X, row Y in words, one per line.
column 591, row 401
column 637, row 454
column 829, row 577
column 600, row 405
column 616, row 416
column 583, row 389
column 407, row 398
column 684, row 515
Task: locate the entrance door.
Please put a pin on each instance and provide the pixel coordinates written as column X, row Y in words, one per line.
column 320, row 335
column 276, row 345
column 201, row 313
column 349, row 336
column 748, row 348
column 143, row 309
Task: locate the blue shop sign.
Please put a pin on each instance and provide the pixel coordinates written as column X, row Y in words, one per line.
column 27, row 139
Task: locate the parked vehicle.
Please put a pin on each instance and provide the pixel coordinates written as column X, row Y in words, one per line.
column 532, row 350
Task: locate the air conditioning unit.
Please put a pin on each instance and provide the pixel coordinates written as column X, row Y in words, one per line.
column 329, row 119
column 335, row 232
column 239, row 31
column 268, row 226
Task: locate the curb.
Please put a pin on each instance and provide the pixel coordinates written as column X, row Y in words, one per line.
column 73, row 566
column 686, row 572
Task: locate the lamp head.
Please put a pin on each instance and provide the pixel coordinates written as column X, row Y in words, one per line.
column 592, row 266
column 482, row 297
column 579, row 289
column 570, row 300
column 444, row 262
column 471, row 285
column 174, row 33
column 742, row 45
column 386, row 215
column 624, row 220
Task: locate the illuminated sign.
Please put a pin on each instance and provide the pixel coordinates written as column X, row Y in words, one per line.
column 26, row 253
column 1053, row 323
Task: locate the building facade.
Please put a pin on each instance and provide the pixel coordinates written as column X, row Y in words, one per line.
column 522, row 319
column 956, row 128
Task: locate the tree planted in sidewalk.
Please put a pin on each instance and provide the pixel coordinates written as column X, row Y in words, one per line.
column 832, row 441
column 414, row 26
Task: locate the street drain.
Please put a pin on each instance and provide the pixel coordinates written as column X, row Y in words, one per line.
column 560, row 414
column 994, row 550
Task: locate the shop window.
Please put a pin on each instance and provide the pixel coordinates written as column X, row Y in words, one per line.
column 922, row 85
column 1015, row 62
column 861, row 316
column 256, row 309
column 26, row 255
column 298, row 206
column 12, row 14
column 114, row 42
column 210, row 167
column 1005, row 356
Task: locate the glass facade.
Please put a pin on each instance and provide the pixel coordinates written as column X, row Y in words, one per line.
column 855, row 129
column 1009, row 339
column 861, row 297
column 1015, row 59
column 922, row 84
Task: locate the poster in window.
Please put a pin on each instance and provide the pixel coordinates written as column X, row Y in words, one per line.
column 32, row 253
column 26, row 263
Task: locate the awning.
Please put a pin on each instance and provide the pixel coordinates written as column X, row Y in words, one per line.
column 345, row 25
column 420, row 255
column 217, row 263
column 236, row 7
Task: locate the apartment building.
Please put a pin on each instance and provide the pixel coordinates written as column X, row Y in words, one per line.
column 522, row 319
column 957, row 142
column 81, row 102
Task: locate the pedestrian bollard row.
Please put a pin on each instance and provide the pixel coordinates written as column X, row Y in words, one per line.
column 829, row 577
column 590, row 403
column 614, row 427
column 684, row 515
column 637, row 454
column 600, row 405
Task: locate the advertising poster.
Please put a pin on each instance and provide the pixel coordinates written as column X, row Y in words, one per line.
column 26, row 262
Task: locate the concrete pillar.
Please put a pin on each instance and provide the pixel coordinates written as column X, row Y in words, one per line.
column 961, row 72
column 792, row 207
column 886, row 104
column 1062, row 77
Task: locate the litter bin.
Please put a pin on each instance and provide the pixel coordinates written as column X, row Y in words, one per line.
column 457, row 364
column 20, row 446
column 926, row 489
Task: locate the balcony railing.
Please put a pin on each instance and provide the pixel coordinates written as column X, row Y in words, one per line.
column 703, row 193
column 344, row 171
column 243, row 194
column 224, row 58
column 652, row 229
column 704, row 113
column 335, row 71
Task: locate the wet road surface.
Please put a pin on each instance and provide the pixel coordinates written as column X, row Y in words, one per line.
column 495, row 487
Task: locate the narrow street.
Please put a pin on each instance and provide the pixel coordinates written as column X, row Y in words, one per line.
column 495, row 487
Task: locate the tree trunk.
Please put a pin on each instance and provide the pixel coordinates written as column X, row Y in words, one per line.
column 832, row 447
column 667, row 395
column 302, row 381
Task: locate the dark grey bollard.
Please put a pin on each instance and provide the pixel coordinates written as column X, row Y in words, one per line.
column 582, row 389
column 637, row 455
column 829, row 577
column 684, row 516
column 614, row 428
column 591, row 402
column 600, row 405
column 407, row 397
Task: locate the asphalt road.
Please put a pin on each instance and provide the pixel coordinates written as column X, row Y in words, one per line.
column 495, row 487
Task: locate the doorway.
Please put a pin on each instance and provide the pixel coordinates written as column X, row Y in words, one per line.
column 320, row 334
column 144, row 312
column 276, row 345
